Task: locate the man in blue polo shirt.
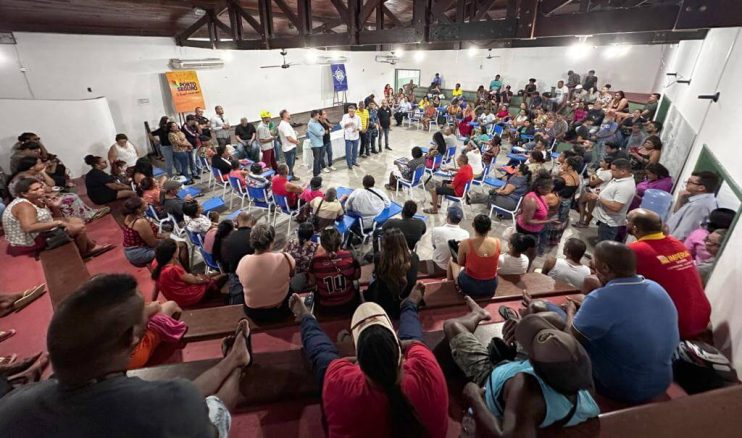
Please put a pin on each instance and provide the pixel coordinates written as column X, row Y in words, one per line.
column 629, row 327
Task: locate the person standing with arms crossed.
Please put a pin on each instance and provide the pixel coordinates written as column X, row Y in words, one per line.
column 327, row 141
column 351, row 123
column 385, row 122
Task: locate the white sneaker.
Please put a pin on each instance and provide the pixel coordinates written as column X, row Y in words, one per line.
column 326, row 170
column 332, row 168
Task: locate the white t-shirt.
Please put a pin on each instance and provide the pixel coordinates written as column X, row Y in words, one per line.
column 509, row 265
column 475, row 161
column 285, row 130
column 604, row 175
column 440, row 237
column 487, row 119
column 264, row 132
column 561, row 93
column 567, row 272
column 352, row 132
column 620, row 190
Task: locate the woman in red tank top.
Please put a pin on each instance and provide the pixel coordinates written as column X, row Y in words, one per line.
column 478, row 256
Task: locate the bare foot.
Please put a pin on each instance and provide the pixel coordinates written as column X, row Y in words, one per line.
column 296, row 304
column 476, row 308
column 417, row 293
column 239, row 352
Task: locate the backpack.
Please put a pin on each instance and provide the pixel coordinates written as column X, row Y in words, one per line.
column 698, row 366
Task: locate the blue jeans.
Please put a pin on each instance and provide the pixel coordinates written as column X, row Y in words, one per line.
column 317, row 157
column 195, row 162
column 607, row 232
column 277, row 148
column 182, row 163
column 290, row 157
column 351, row 152
column 320, row 350
column 328, row 150
column 167, row 153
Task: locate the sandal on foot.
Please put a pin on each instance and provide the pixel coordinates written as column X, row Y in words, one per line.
column 5, row 334
column 228, row 342
column 429, row 211
column 8, row 360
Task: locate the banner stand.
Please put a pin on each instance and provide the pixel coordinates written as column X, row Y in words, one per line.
column 339, row 98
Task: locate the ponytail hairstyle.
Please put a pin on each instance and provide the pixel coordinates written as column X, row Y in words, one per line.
column 378, row 354
column 526, row 171
column 164, row 252
column 222, row 231
column 331, row 239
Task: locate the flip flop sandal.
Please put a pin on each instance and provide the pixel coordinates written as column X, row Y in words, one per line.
column 29, row 296
column 343, row 335
column 5, row 334
column 228, row 342
column 508, row 313
column 8, row 360
column 101, row 212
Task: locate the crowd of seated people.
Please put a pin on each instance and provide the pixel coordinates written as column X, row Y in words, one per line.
column 617, row 340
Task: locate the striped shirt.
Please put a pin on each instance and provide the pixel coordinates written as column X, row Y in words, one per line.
column 334, row 276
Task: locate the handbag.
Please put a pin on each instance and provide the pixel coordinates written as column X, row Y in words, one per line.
column 55, row 238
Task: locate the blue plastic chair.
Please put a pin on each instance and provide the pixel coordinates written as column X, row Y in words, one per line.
column 219, row 179
column 259, row 198
column 450, row 154
column 417, row 181
column 236, row 185
column 459, row 199
column 283, row 207
column 658, row 201
column 186, row 191
column 214, row 203
column 437, row 160
column 211, row 264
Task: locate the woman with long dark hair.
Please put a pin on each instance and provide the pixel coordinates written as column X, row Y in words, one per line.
column 103, row 187
column 395, row 272
column 395, row 388
column 161, row 136
column 217, row 236
column 176, row 283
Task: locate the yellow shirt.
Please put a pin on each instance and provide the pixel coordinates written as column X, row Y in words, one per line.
column 457, row 93
column 422, row 104
column 363, row 114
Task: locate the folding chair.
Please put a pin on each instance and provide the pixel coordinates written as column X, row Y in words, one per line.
column 205, row 164
column 219, row 179
column 485, row 174
column 259, row 198
column 238, row 191
column 283, row 207
column 152, row 214
column 417, row 181
column 459, row 199
column 506, row 211
column 437, row 160
column 450, row 155
column 211, row 264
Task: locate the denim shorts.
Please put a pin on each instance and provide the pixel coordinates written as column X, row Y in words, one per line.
column 477, row 288
column 219, row 415
column 139, row 255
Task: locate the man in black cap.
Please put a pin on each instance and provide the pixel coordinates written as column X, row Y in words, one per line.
column 515, row 396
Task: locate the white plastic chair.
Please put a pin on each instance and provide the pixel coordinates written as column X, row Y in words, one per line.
column 417, row 181
column 512, row 213
column 459, row 199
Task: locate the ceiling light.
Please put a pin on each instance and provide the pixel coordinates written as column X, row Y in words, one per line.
column 472, row 51
column 398, row 52
column 312, row 55
column 579, row 50
column 419, row 55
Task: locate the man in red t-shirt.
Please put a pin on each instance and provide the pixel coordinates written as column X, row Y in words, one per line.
column 395, row 385
column 667, row 261
column 333, row 271
column 282, row 187
column 454, row 188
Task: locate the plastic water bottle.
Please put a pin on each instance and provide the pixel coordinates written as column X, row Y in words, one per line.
column 468, row 425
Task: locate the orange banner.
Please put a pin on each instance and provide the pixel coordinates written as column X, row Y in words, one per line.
column 185, row 90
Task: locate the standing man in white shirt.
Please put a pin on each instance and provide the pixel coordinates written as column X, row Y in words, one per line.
column 441, row 235
column 221, row 127
column 266, row 139
column 614, row 200
column 561, row 92
column 351, row 124
column 289, row 141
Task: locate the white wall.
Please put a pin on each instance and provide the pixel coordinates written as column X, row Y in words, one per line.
column 715, row 65
column 634, row 71
column 126, row 70
column 80, row 127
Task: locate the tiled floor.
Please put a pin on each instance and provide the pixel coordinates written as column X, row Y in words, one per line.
column 402, row 139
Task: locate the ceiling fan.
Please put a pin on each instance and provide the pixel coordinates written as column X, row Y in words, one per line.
column 285, row 64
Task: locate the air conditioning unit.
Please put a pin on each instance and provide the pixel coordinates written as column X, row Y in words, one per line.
column 331, row 60
column 196, row 64
column 388, row 59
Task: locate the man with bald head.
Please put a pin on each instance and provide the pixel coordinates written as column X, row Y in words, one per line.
column 667, row 261
column 629, row 327
column 90, row 339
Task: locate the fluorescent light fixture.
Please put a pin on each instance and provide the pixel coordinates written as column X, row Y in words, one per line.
column 616, row 51
column 579, row 51
column 472, row 52
column 398, row 52
column 419, row 55
column 312, row 55
column 227, row 55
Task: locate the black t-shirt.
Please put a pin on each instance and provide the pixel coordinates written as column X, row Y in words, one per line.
column 244, row 132
column 191, row 135
column 95, row 183
column 385, row 116
column 222, row 164
column 234, row 247
column 116, row 407
column 590, row 82
column 203, row 121
column 163, row 135
column 530, row 88
column 596, row 115
column 326, row 137
column 383, row 294
column 413, row 229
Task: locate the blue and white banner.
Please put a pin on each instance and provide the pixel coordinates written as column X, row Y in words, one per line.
column 339, row 78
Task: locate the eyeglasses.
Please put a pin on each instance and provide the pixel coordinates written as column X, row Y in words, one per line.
column 690, row 181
